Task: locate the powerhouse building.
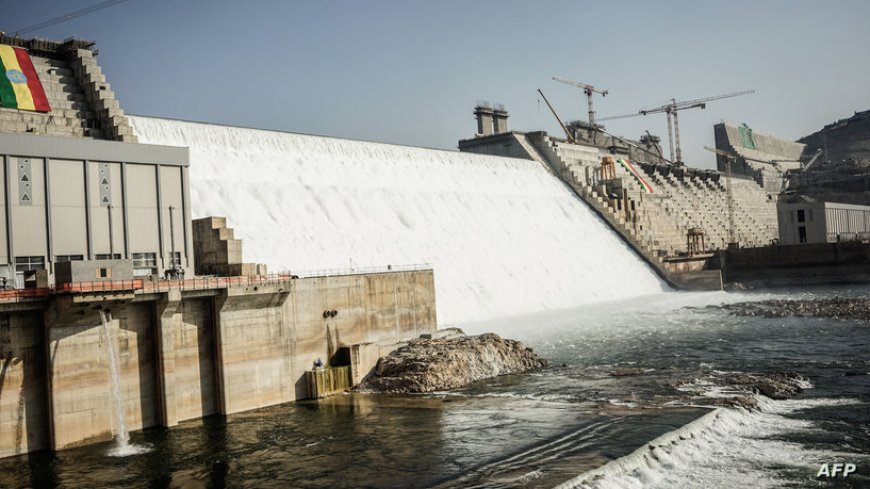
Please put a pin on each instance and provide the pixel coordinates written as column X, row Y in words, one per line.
column 76, row 184
column 805, row 220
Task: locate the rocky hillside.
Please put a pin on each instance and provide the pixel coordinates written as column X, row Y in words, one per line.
column 842, row 140
column 842, row 174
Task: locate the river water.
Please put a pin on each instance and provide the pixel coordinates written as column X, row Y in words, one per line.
column 545, row 428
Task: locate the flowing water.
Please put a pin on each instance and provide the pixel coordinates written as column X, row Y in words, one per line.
column 122, row 446
column 122, row 437
column 549, row 427
column 503, row 235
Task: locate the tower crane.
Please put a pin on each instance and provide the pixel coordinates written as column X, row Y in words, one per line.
column 588, row 90
column 671, row 109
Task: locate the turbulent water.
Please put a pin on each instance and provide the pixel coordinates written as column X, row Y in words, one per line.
column 503, row 235
column 571, row 422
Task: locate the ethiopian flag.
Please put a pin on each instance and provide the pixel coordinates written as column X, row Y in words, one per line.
column 636, row 174
column 19, row 85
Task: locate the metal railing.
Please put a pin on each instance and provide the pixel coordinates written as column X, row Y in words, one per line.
column 199, row 283
column 19, row 294
column 98, row 286
column 330, row 272
column 207, row 283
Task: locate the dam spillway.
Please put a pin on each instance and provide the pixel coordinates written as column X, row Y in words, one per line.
column 503, row 235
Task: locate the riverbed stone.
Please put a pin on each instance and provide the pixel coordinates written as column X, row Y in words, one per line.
column 435, row 364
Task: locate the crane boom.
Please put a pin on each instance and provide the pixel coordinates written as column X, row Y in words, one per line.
column 561, row 124
column 691, row 104
column 671, row 110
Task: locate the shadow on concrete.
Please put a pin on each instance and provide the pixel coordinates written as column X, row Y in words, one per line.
column 208, row 356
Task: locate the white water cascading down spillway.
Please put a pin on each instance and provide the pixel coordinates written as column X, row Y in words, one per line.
column 504, row 236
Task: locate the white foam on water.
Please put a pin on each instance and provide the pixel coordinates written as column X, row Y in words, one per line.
column 504, row 236
column 725, row 448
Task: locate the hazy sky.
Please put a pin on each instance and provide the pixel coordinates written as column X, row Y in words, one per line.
column 410, row 72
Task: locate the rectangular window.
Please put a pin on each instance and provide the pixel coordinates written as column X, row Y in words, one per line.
column 802, row 234
column 29, row 263
column 175, row 260
column 800, row 215
column 106, row 256
column 104, row 273
column 63, row 258
column 144, row 260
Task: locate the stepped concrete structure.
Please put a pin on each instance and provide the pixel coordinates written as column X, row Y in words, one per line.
column 82, row 102
column 761, row 157
column 674, row 216
column 218, row 252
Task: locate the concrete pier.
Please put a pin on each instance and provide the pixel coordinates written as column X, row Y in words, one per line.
column 185, row 354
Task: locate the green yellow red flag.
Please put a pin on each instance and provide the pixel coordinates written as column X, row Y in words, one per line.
column 20, row 87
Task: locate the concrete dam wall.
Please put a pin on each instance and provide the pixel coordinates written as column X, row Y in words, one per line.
column 504, row 235
column 185, row 354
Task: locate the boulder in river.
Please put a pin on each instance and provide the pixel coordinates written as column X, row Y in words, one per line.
column 434, row 364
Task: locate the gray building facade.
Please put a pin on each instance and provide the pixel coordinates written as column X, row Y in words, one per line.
column 69, row 199
column 822, row 222
column 76, row 186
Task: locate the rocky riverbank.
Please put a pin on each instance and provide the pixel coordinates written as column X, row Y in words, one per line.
column 434, row 364
column 836, row 308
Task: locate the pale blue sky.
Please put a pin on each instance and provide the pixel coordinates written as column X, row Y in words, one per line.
column 410, row 72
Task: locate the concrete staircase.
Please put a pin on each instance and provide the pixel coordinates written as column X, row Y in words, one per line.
column 656, row 225
column 217, row 252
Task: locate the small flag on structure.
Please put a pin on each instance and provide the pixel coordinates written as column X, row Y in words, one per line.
column 20, row 87
column 636, row 174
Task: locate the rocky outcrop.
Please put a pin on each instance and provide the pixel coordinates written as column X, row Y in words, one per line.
column 837, row 308
column 740, row 389
column 434, row 364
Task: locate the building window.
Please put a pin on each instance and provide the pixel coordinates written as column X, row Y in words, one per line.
column 144, row 260
column 175, row 259
column 800, row 216
column 104, row 273
column 106, row 256
column 29, row 263
column 63, row 258
column 802, row 234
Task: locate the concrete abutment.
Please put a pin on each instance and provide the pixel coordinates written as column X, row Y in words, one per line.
column 187, row 354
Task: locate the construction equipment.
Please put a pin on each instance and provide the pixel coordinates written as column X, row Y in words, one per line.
column 561, row 124
column 671, row 109
column 787, row 176
column 588, row 90
column 729, row 196
column 812, row 160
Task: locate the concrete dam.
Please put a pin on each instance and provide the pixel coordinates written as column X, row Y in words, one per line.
column 125, row 302
column 503, row 235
